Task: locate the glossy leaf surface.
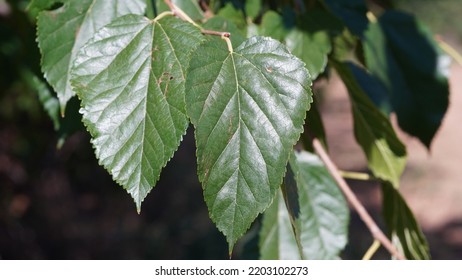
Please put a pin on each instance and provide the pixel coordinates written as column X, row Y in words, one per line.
column 130, row 78
column 317, row 208
column 248, row 107
column 62, row 32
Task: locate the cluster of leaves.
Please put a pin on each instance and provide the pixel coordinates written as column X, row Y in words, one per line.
column 143, row 75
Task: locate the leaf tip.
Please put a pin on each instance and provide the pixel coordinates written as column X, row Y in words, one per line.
column 138, row 207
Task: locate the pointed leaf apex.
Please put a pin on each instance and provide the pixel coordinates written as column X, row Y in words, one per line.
column 248, row 107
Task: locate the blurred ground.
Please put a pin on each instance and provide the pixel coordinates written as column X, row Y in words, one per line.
column 432, row 182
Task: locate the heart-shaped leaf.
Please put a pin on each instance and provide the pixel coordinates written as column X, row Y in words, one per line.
column 130, row 78
column 248, row 106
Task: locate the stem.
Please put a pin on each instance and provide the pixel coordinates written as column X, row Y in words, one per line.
column 356, row 175
column 449, row 50
column 354, row 201
column 228, row 41
column 163, row 14
column 372, row 250
column 178, row 12
column 216, row 33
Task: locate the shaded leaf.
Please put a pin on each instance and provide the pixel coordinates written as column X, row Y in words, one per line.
column 352, row 13
column 62, row 32
column 318, row 210
column 404, row 57
column 248, row 108
column 344, row 46
column 372, row 87
column 234, row 15
column 49, row 102
column 385, row 153
column 308, row 38
column 277, row 239
column 403, row 228
column 130, row 78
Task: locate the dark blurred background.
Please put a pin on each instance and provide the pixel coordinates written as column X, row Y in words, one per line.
column 58, row 203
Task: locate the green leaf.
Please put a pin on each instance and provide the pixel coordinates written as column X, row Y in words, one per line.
column 248, row 107
column 309, row 39
column 405, row 58
column 191, row 8
column 318, row 210
column 311, row 48
column 273, row 25
column 385, row 153
column 403, row 227
column 65, row 126
column 62, row 32
column 36, row 6
column 236, row 16
column 252, row 8
column 49, row 102
column 372, row 87
column 277, row 239
column 130, row 78
column 352, row 13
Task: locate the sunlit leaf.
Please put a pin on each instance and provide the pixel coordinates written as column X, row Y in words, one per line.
column 248, row 107
column 62, row 32
column 405, row 232
column 130, row 78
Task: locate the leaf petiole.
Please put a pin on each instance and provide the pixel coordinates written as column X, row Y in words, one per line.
column 164, row 14
column 372, row 250
column 180, row 13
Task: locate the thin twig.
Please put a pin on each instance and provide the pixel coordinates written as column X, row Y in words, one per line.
column 216, row 33
column 354, row 201
column 179, row 13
